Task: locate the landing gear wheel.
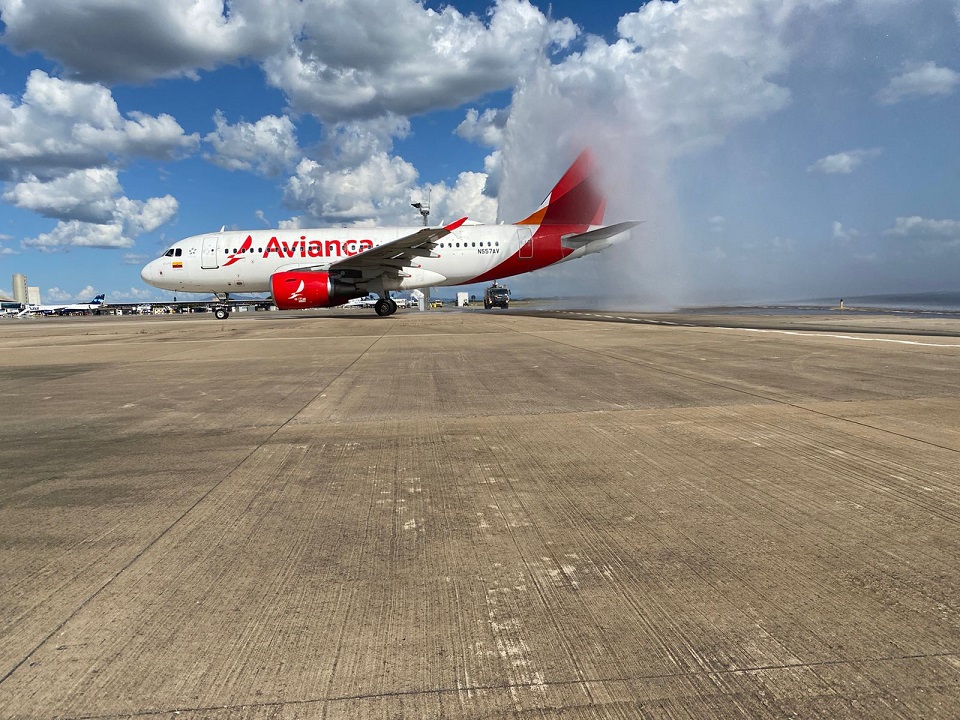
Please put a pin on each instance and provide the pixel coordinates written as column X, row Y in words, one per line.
column 221, row 313
column 385, row 307
column 393, row 305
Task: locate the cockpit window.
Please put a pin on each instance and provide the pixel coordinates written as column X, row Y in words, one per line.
column 168, row 253
column 179, row 252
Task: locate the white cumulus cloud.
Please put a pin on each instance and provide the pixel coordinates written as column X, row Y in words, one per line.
column 60, row 147
column 485, row 129
column 74, row 233
column 86, row 294
column 843, row 162
column 465, row 198
column 60, row 125
column 920, row 228
column 340, row 60
column 123, row 41
column 925, row 80
column 375, row 57
column 56, row 295
column 86, row 195
column 134, row 294
column 353, row 177
column 843, row 233
column 267, row 146
column 372, row 191
column 129, row 219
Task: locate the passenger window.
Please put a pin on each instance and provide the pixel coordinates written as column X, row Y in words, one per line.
column 473, row 244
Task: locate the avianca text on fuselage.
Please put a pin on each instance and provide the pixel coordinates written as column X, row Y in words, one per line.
column 302, row 248
column 327, row 267
column 316, row 248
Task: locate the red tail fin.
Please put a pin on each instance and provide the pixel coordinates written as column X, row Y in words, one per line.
column 575, row 200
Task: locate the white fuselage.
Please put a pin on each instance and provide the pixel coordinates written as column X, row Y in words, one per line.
column 244, row 261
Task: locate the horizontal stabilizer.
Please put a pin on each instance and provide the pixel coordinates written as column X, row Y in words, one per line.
column 580, row 239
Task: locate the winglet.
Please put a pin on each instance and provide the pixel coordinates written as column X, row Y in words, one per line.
column 454, row 225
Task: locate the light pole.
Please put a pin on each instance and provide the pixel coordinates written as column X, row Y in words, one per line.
column 423, row 209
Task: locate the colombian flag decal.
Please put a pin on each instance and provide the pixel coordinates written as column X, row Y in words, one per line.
column 177, row 264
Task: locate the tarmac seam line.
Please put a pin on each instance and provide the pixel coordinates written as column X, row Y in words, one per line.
column 512, row 686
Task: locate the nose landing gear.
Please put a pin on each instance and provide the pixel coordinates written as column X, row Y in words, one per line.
column 222, row 312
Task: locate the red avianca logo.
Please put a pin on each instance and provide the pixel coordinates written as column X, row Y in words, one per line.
column 238, row 254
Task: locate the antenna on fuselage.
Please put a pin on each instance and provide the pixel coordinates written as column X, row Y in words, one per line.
column 423, row 209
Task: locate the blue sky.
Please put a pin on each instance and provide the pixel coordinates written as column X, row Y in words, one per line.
column 775, row 149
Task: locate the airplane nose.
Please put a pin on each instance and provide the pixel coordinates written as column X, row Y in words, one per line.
column 149, row 273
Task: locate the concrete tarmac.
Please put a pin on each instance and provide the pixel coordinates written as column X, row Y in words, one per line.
column 477, row 514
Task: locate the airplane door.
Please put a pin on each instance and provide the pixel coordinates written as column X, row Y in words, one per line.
column 524, row 237
column 208, row 254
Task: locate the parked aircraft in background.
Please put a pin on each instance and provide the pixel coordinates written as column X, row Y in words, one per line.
column 94, row 305
column 370, row 301
column 329, row 266
column 367, row 301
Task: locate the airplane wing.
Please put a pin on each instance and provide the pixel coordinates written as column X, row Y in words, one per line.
column 391, row 258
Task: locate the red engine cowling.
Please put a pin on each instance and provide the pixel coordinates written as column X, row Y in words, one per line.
column 296, row 290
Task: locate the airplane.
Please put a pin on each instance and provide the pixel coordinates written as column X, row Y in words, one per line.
column 329, row 266
column 94, row 305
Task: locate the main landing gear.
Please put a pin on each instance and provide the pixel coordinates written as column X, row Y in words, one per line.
column 385, row 306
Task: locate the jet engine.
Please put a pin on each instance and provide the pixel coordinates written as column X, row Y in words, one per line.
column 295, row 290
